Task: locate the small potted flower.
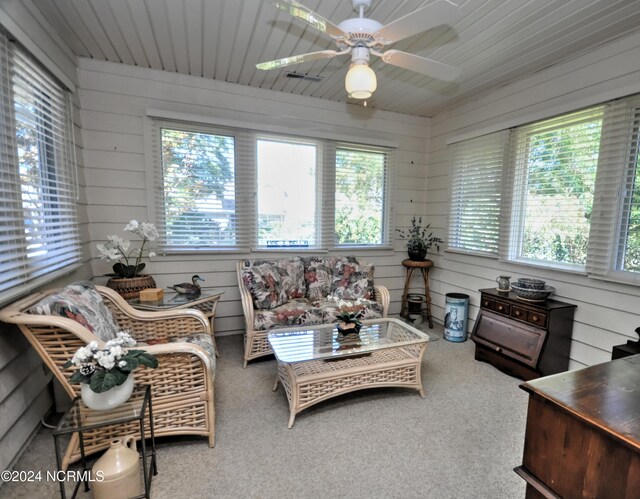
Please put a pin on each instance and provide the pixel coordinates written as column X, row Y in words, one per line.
column 418, row 240
column 349, row 323
column 127, row 278
column 106, row 375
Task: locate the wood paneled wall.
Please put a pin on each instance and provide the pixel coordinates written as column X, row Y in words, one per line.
column 114, row 100
column 607, row 312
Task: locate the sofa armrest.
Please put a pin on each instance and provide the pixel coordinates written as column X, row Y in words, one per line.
column 246, row 299
column 382, row 297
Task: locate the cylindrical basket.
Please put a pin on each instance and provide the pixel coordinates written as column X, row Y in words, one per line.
column 130, row 287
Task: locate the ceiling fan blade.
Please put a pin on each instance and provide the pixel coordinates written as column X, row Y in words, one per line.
column 422, row 65
column 314, row 20
column 297, row 59
column 435, row 14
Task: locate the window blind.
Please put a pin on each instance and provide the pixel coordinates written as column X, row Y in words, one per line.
column 553, row 182
column 201, row 194
column 614, row 244
column 476, row 184
column 39, row 234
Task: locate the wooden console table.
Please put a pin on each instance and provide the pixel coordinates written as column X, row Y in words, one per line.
column 522, row 338
column 583, row 433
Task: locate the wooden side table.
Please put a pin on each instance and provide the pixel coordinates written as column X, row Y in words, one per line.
column 424, row 267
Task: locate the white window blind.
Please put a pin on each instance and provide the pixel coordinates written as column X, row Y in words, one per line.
column 201, row 196
column 362, row 186
column 476, row 184
column 553, row 182
column 614, row 241
column 39, row 234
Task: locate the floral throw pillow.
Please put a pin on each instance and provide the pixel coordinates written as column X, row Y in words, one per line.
column 81, row 302
column 291, row 273
column 263, row 281
column 318, row 273
column 352, row 280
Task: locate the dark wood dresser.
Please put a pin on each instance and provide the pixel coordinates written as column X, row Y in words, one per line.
column 583, row 433
column 522, row 338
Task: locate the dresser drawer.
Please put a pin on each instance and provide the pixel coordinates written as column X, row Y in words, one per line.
column 488, row 303
column 535, row 318
column 502, row 307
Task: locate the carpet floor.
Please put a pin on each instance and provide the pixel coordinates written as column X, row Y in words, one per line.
column 462, row 441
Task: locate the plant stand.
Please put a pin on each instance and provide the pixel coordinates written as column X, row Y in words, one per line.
column 424, row 267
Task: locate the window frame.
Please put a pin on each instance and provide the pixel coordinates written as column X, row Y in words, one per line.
column 246, row 167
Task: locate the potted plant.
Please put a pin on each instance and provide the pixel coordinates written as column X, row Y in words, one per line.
column 127, row 278
column 418, row 240
column 349, row 323
column 106, row 375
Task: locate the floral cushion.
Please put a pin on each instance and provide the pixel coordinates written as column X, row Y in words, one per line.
column 81, row 302
column 293, row 313
column 318, row 274
column 352, row 280
column 263, row 281
column 201, row 339
column 292, row 277
column 331, row 308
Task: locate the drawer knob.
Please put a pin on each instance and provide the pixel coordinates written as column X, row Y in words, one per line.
column 498, row 349
column 517, row 313
column 486, row 303
column 534, row 318
column 500, row 307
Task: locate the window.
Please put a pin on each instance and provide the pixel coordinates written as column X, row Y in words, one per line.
column 474, row 217
column 287, row 193
column 554, row 177
column 198, row 182
column 360, row 189
column 570, row 196
column 236, row 189
column 39, row 235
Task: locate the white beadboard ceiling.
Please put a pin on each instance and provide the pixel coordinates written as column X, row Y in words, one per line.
column 493, row 43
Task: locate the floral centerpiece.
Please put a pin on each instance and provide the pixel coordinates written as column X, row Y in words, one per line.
column 418, row 240
column 104, row 370
column 128, row 259
column 127, row 278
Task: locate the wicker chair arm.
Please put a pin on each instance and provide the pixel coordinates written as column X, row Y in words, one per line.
column 185, row 348
column 247, row 300
column 383, row 297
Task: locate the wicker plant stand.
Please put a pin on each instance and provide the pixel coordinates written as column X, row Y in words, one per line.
column 380, row 360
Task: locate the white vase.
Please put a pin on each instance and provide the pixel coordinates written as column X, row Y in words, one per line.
column 113, row 397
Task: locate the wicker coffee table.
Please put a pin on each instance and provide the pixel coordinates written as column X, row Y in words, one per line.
column 314, row 366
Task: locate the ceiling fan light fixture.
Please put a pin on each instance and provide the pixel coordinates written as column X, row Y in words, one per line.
column 360, row 82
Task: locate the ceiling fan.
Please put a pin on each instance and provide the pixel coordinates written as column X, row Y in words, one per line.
column 363, row 37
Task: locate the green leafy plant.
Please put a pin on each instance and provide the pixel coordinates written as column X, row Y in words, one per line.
column 350, row 318
column 128, row 260
column 102, row 369
column 418, row 238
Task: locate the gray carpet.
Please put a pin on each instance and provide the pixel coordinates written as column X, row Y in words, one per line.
column 462, row 441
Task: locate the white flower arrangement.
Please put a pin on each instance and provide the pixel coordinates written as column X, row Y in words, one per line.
column 102, row 369
column 118, row 249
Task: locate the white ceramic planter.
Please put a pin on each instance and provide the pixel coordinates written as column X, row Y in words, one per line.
column 114, row 397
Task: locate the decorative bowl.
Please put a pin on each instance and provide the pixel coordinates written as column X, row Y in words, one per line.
column 528, row 283
column 536, row 295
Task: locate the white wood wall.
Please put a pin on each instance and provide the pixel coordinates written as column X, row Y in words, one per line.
column 25, row 390
column 607, row 313
column 114, row 99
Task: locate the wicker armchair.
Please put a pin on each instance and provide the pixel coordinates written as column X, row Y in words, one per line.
column 182, row 384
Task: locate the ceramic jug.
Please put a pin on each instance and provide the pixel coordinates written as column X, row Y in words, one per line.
column 117, row 473
column 503, row 282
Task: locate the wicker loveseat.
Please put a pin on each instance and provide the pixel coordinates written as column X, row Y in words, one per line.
column 304, row 291
column 182, row 384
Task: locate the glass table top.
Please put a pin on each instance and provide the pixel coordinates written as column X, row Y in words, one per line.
column 321, row 341
column 80, row 418
column 173, row 300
